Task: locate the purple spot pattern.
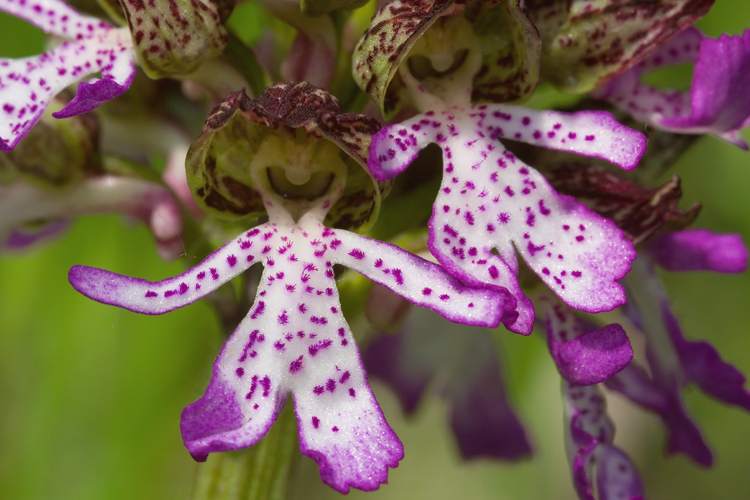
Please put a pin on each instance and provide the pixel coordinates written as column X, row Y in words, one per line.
column 294, row 340
column 583, row 253
column 27, row 85
column 590, row 434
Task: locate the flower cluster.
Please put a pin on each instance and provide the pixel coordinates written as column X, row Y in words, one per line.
column 399, row 148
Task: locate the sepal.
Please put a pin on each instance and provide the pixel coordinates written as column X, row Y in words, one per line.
column 585, row 43
column 173, row 37
column 218, row 161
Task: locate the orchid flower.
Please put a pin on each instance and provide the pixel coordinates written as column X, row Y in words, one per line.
column 27, row 85
column 589, row 435
column 585, row 357
column 673, row 360
column 295, row 338
column 717, row 103
column 462, row 363
column 490, row 204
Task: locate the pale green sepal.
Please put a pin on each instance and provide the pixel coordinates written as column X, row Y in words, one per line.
column 303, row 117
column 174, row 37
column 511, row 51
column 394, row 29
column 586, row 42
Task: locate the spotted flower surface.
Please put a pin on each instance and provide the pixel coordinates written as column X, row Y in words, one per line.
column 491, row 205
column 584, row 356
column 295, row 338
column 27, row 85
column 717, row 102
column 589, row 434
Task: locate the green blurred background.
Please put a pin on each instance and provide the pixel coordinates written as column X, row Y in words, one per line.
column 90, row 395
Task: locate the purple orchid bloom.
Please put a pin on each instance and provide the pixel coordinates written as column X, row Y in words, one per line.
column 462, row 363
column 295, row 338
column 589, row 434
column 673, row 360
column 491, row 205
column 701, row 250
column 27, row 85
column 717, row 103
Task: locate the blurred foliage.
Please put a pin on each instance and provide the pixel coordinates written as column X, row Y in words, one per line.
column 91, row 395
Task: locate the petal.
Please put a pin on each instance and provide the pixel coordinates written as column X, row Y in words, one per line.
column 587, row 43
column 703, row 365
column 295, row 339
column 718, row 101
column 54, row 16
column 463, row 362
column 27, row 85
column 699, row 250
column 595, row 134
column 715, row 104
column 145, row 297
column 585, row 357
column 491, row 206
column 418, row 280
column 617, row 477
column 640, row 211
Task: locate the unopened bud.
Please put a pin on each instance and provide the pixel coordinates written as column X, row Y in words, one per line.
column 173, row 37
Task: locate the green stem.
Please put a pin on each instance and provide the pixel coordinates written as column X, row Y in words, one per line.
column 258, row 473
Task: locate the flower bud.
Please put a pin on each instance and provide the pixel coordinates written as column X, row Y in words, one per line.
column 174, row 37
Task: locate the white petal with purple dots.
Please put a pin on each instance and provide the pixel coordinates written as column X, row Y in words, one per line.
column 491, row 205
column 295, row 339
column 27, row 85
